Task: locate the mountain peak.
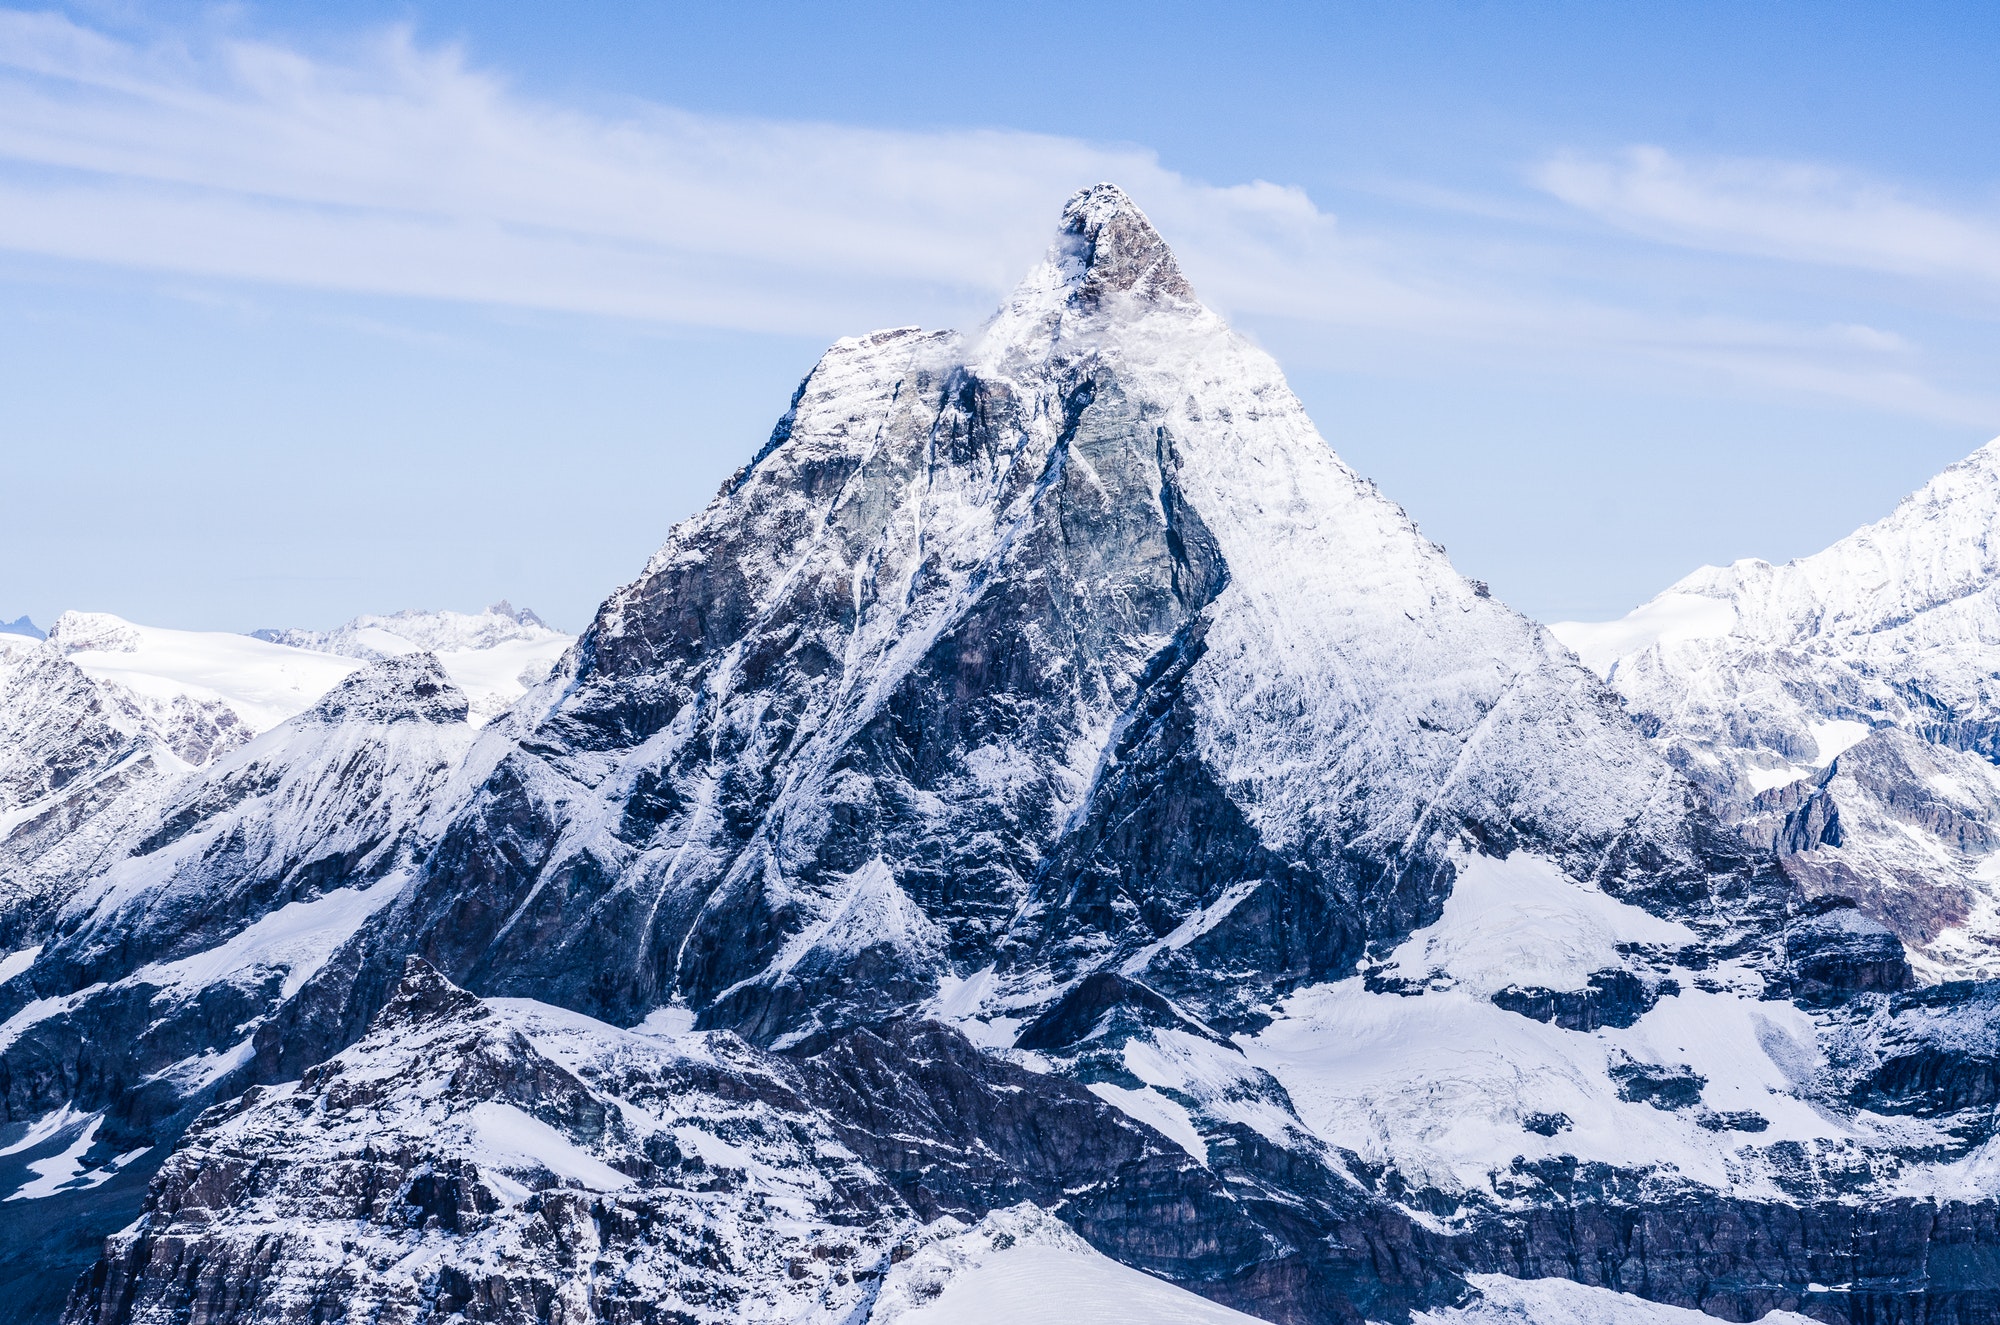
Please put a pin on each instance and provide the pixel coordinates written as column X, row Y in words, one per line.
column 413, row 687
column 1113, row 248
column 1107, row 259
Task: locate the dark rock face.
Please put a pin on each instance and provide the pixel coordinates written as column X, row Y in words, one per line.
column 1613, row 998
column 963, row 1133
column 1901, row 1262
column 1834, row 952
column 1851, row 832
column 1661, row 1087
column 1107, row 1005
column 435, row 1132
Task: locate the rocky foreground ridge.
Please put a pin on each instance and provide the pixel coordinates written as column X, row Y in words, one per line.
column 1046, row 783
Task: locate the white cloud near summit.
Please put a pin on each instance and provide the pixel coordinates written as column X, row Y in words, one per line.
column 391, row 169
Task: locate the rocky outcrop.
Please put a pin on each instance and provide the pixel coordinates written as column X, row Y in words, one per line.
column 508, row 1161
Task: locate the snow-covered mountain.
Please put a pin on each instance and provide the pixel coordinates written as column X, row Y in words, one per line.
column 98, row 723
column 1845, row 709
column 255, row 683
column 493, row 656
column 192, row 923
column 1045, row 774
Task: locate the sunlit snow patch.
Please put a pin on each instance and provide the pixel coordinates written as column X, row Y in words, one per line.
column 263, row 683
column 14, row 963
column 1024, row 1267
column 1504, row 1301
column 65, row 1170
column 1442, row 1083
column 1668, row 619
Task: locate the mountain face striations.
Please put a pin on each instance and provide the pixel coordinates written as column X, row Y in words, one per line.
column 1047, row 820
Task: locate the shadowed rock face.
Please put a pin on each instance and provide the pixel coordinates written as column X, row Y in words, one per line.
column 1045, row 773
column 535, row 1164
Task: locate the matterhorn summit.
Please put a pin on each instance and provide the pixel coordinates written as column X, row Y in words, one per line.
column 909, row 695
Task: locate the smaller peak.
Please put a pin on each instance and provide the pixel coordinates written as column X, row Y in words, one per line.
column 520, row 616
column 411, row 687
column 77, row 632
column 23, row 626
column 423, row 995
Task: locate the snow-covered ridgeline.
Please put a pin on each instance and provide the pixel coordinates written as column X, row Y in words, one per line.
column 493, row 656
column 179, row 928
column 1845, row 708
column 102, row 722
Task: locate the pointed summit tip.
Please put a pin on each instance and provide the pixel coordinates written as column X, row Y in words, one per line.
column 1089, row 208
column 1119, row 250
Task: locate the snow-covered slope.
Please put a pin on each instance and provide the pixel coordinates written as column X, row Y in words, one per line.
column 195, row 921
column 259, row 683
column 1022, row 1266
column 493, row 656
column 1845, row 708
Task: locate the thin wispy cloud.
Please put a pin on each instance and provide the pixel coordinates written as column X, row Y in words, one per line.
column 1789, row 210
column 405, row 171
column 400, row 170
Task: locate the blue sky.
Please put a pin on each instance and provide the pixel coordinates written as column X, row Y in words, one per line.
column 313, row 310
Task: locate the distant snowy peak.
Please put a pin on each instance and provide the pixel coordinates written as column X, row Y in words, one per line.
column 1935, row 551
column 495, row 656
column 260, row 683
column 1798, row 696
column 410, row 631
column 22, row 626
column 205, row 692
